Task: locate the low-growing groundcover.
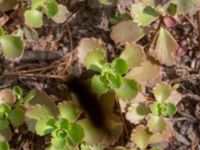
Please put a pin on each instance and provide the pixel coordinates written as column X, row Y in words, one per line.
column 125, row 78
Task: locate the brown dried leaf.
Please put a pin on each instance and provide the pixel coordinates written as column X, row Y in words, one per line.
column 127, row 31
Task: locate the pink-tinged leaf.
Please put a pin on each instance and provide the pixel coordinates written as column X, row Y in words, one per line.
column 133, row 54
column 170, row 21
column 127, row 31
column 141, row 136
column 62, row 14
column 5, row 134
column 149, row 70
column 175, row 97
column 164, row 47
column 165, row 136
column 7, row 96
column 86, row 46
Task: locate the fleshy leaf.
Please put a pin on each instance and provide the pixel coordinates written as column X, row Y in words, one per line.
column 128, row 89
column 175, row 97
column 4, row 108
column 148, row 71
column 18, row 92
column 156, row 108
column 161, row 92
column 51, row 9
column 99, row 84
column 127, row 31
column 37, row 3
column 62, row 14
column 136, row 112
column 86, row 46
column 4, row 145
column 156, row 124
column 164, row 48
column 16, row 116
column 141, row 136
column 62, row 124
column 31, row 94
column 143, row 14
column 95, row 60
column 69, row 111
column 133, row 54
column 58, row 143
column 5, row 134
column 7, row 5
column 34, row 18
column 12, row 46
column 76, row 133
column 113, row 80
column 168, row 109
column 120, row 66
column 3, row 123
column 7, row 96
column 172, row 9
column 45, row 126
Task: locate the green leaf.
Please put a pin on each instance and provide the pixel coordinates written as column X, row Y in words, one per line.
column 58, row 143
column 113, row 80
column 45, row 126
column 105, row 2
column 18, row 92
column 133, row 54
column 31, row 94
column 142, row 14
column 34, row 18
column 16, row 116
column 69, row 111
column 4, row 145
column 155, row 148
column 76, row 133
column 4, row 123
column 2, row 31
column 141, row 136
column 168, row 109
column 120, row 66
column 4, row 108
column 62, row 14
column 99, row 84
column 51, row 9
column 37, row 4
column 95, row 60
column 156, row 124
column 156, row 108
column 164, row 48
column 128, row 89
column 161, row 92
column 12, row 46
column 127, row 31
column 5, row 134
column 7, row 96
column 172, row 9
column 63, row 124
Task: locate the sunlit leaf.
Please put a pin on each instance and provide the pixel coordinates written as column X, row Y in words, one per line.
column 175, row 97
column 31, row 94
column 4, row 108
column 136, row 112
column 120, row 66
column 95, row 60
column 86, row 46
column 34, row 18
column 133, row 54
column 69, row 111
column 168, row 109
column 62, row 14
column 4, row 145
column 51, row 9
column 7, row 96
column 164, row 48
column 58, row 143
column 128, row 89
column 37, row 3
column 76, row 133
column 62, row 124
column 156, row 108
column 127, row 31
column 161, row 92
column 156, row 124
column 141, row 136
column 113, row 80
column 12, row 46
column 7, row 5
column 99, row 84
column 148, row 71
column 45, row 126
column 16, row 116
column 18, row 92
column 143, row 14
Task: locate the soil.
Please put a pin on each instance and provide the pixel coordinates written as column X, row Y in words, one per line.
column 53, row 54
